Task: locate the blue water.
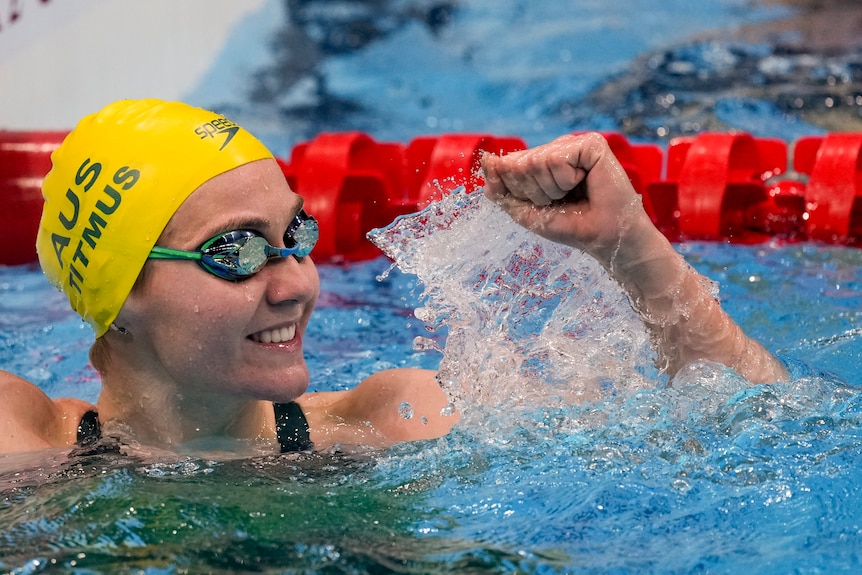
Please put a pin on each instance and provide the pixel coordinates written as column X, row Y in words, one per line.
column 708, row 476
column 496, row 66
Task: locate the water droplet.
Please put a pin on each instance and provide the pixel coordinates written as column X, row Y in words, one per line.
column 386, row 273
column 425, row 344
column 405, row 410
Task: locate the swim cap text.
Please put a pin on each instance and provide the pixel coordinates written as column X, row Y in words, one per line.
column 93, row 223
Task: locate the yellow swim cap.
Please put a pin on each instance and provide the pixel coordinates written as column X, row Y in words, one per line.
column 116, row 181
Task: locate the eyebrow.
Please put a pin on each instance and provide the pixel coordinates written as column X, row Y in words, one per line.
column 241, row 224
column 253, row 223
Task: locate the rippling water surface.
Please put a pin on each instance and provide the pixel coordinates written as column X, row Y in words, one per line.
column 573, row 455
column 710, row 475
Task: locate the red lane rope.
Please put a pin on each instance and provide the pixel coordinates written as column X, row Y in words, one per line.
column 710, row 187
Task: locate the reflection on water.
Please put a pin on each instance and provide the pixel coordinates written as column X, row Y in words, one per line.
column 709, row 475
column 112, row 514
column 712, row 468
column 539, row 69
column 717, row 86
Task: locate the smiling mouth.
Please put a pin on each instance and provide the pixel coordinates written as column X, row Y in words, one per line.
column 277, row 335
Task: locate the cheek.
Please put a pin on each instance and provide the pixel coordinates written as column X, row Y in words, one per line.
column 195, row 306
column 199, row 332
column 211, row 307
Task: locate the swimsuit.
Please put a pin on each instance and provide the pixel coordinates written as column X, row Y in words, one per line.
column 291, row 428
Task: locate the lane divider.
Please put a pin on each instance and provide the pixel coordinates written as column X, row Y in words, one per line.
column 710, row 187
column 25, row 158
column 353, row 184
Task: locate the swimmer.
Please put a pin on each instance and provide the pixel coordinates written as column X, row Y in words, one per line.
column 173, row 233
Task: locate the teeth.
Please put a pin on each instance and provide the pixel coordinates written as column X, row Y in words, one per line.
column 279, row 335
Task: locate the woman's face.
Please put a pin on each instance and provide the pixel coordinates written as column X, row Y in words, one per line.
column 207, row 334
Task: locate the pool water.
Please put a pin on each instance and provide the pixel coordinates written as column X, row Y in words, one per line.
column 710, row 475
column 573, row 454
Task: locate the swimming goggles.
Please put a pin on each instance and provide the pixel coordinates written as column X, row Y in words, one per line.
column 239, row 254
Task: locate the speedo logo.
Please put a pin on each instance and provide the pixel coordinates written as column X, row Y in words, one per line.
column 218, row 128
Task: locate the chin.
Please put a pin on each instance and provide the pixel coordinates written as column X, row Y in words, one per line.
column 286, row 389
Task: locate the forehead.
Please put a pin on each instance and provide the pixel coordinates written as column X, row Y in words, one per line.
column 256, row 191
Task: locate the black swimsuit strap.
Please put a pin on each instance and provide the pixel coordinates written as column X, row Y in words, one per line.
column 291, row 427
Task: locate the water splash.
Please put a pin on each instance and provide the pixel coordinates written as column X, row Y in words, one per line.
column 529, row 321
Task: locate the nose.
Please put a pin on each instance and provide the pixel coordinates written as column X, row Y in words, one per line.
column 291, row 279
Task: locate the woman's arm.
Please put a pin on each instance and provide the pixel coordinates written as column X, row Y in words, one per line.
column 574, row 191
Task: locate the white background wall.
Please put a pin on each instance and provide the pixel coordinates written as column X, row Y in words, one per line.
column 63, row 59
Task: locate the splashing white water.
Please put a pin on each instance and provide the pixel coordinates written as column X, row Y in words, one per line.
column 530, row 322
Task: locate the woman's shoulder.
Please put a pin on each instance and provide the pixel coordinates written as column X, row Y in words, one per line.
column 30, row 420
